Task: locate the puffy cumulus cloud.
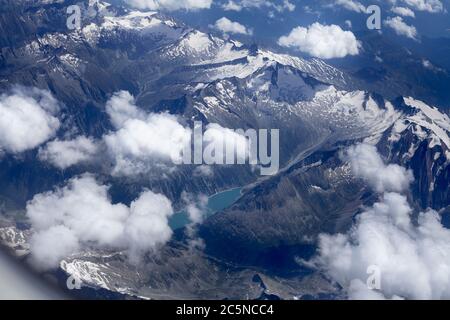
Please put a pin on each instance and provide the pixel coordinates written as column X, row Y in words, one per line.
column 64, row 154
column 351, row 5
column 279, row 6
column 27, row 119
column 121, row 107
column 145, row 141
column 322, row 41
column 82, row 214
column 401, row 28
column 142, row 139
column 225, row 25
column 358, row 290
column 171, row 5
column 52, row 245
column 403, row 11
column 147, row 225
column 141, row 144
column 224, row 146
column 432, row 6
column 414, row 261
column 366, row 163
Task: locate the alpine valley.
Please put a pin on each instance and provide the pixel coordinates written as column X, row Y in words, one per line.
column 255, row 248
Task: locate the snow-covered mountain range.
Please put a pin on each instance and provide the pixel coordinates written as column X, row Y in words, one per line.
column 251, row 249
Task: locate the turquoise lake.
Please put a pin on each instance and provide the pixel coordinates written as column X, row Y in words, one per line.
column 216, row 203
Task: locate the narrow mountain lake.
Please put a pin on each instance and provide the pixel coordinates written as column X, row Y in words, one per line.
column 216, row 203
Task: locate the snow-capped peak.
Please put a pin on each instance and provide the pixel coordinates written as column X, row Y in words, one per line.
column 144, row 23
column 426, row 123
column 133, row 20
column 432, row 119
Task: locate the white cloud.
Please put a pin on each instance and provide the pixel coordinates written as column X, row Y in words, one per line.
column 171, row 5
column 144, row 142
column 322, row 41
column 225, row 25
column 81, row 214
column 121, row 107
column 50, row 246
column 432, row 6
column 280, row 6
column 428, row 65
column 403, row 11
column 351, row 5
column 414, row 261
column 366, row 163
column 289, row 6
column 196, row 207
column 148, row 223
column 223, row 145
column 142, row 139
column 413, row 258
column 232, row 6
column 140, row 144
column 64, row 154
column 359, row 290
column 27, row 119
column 401, row 28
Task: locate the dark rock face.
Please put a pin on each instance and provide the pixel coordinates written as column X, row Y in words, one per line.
column 427, row 160
column 283, row 215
